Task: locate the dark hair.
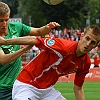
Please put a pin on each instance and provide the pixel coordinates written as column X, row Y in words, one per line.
column 94, row 29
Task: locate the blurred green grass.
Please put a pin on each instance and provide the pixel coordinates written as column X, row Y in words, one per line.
column 91, row 90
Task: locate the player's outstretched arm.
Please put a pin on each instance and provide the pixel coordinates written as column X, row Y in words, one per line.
column 27, row 40
column 7, row 58
column 43, row 30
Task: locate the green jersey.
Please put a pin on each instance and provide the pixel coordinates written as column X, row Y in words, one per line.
column 10, row 71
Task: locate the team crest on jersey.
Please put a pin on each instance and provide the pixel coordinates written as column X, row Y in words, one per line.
column 50, row 42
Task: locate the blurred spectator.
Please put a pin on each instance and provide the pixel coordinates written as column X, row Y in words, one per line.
column 96, row 60
column 34, row 51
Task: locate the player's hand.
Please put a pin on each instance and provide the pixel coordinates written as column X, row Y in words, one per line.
column 52, row 25
column 2, row 41
column 28, row 46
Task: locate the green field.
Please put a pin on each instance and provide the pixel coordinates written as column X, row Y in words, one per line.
column 91, row 90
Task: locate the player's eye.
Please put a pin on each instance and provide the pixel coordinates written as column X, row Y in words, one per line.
column 6, row 20
column 87, row 38
column 1, row 20
column 93, row 42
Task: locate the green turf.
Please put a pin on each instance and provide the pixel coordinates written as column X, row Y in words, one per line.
column 91, row 90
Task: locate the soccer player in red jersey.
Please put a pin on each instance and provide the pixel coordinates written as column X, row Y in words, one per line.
column 58, row 57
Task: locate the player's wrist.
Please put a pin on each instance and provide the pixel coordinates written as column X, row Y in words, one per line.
column 5, row 42
column 44, row 30
column 47, row 28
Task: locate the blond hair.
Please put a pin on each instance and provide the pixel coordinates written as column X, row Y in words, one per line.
column 4, row 8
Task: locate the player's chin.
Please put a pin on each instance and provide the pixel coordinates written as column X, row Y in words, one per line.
column 84, row 51
column 87, row 51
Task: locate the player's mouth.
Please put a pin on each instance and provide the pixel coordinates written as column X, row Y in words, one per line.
column 3, row 28
column 85, row 48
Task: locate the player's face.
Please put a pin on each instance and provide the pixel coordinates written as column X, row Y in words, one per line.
column 87, row 43
column 4, row 19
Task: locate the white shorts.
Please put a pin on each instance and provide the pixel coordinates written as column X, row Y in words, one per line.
column 22, row 91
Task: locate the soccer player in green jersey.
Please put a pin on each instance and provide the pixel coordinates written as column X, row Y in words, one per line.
column 10, row 60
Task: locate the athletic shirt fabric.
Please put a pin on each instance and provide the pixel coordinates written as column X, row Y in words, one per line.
column 57, row 58
column 10, row 71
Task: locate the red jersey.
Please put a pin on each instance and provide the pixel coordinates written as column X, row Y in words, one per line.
column 57, row 58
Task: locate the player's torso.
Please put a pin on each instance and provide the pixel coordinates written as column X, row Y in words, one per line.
column 11, row 69
column 58, row 59
column 44, row 73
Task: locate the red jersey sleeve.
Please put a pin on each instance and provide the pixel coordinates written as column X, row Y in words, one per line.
column 58, row 44
column 81, row 72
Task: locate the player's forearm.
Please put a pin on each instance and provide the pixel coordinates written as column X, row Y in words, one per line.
column 79, row 93
column 27, row 40
column 7, row 58
column 46, row 29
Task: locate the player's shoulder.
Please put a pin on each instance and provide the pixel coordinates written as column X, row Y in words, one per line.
column 14, row 24
column 65, row 40
column 68, row 43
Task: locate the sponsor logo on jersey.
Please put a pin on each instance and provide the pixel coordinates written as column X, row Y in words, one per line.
column 14, row 36
column 50, row 42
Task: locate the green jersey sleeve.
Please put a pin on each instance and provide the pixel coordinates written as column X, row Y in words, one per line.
column 19, row 28
column 0, row 48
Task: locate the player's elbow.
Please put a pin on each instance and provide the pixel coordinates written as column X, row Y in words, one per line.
column 32, row 40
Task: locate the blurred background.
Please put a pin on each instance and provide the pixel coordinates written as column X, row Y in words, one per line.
column 69, row 13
